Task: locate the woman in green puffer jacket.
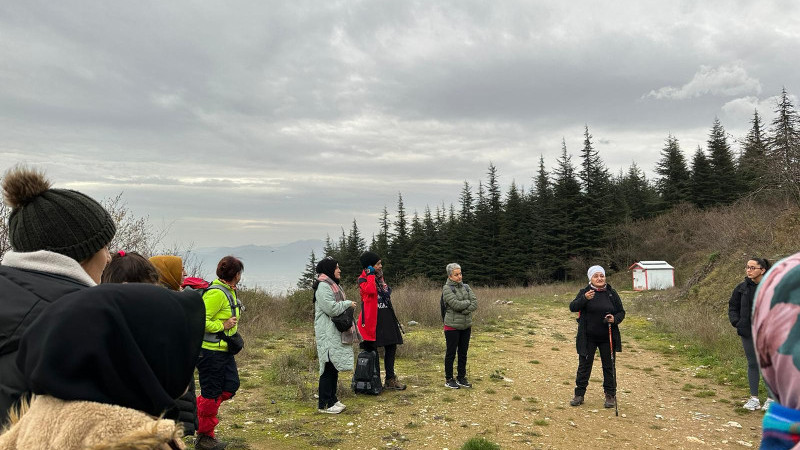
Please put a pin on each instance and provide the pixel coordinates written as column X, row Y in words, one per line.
column 460, row 302
column 334, row 348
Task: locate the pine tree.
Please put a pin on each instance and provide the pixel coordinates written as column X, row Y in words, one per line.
column 752, row 165
column 673, row 185
column 309, row 274
column 784, row 147
column 395, row 264
column 567, row 199
column 487, row 222
column 637, row 199
column 701, row 186
column 381, row 241
column 724, row 183
column 514, row 260
column 594, row 217
column 545, row 257
column 414, row 255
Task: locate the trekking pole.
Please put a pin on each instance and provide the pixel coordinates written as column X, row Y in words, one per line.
column 614, row 371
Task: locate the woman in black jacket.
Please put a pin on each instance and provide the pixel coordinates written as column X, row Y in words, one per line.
column 599, row 308
column 740, row 307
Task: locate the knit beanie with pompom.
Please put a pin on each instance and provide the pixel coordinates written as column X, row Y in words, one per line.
column 58, row 220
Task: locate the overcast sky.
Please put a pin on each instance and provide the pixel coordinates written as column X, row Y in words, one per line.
column 272, row 121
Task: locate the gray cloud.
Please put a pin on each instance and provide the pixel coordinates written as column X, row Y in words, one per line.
column 293, row 118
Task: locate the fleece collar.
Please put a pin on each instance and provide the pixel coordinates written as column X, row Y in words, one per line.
column 48, row 262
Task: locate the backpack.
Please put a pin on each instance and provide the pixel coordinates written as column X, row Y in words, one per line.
column 441, row 300
column 367, row 376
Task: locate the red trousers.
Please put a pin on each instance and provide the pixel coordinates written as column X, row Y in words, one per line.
column 207, row 410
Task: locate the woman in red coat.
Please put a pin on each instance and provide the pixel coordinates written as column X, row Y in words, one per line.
column 377, row 321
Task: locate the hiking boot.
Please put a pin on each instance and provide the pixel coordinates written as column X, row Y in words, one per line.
column 335, row 409
column 392, row 383
column 462, row 382
column 451, row 383
column 578, row 400
column 752, row 404
column 206, row 442
column 611, row 401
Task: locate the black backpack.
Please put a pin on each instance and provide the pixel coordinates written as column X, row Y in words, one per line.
column 441, row 300
column 367, row 376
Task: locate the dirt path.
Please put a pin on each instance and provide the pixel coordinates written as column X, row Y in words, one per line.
column 523, row 374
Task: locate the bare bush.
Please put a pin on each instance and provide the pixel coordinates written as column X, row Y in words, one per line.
column 134, row 234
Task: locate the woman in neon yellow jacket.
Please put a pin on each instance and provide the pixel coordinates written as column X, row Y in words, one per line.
column 219, row 377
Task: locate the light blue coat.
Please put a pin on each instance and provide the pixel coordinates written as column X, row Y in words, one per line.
column 329, row 339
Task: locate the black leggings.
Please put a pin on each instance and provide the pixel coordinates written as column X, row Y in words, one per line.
column 389, row 352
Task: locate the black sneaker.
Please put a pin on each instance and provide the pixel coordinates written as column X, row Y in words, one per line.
column 462, row 381
column 451, row 383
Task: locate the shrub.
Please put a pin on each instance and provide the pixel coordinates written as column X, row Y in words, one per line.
column 479, row 444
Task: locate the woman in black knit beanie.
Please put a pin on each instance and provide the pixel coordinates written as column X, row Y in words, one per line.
column 59, row 244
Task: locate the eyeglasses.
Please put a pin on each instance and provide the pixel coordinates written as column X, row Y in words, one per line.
column 752, row 268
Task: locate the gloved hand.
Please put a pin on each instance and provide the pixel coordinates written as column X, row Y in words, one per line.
column 370, row 270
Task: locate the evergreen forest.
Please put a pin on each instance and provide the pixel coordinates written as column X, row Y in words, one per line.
column 571, row 217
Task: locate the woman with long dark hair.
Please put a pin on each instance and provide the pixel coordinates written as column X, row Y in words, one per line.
column 740, row 307
column 334, row 348
column 218, row 374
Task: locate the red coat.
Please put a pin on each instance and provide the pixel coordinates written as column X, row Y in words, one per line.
column 368, row 317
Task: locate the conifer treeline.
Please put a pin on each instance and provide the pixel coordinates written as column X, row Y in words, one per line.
column 564, row 223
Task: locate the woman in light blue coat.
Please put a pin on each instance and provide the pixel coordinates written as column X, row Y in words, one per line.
column 334, row 348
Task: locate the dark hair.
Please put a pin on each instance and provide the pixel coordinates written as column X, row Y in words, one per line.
column 761, row 262
column 228, row 267
column 129, row 267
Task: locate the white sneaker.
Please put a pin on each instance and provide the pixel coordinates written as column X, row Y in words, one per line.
column 335, row 409
column 752, row 404
column 767, row 402
column 340, row 404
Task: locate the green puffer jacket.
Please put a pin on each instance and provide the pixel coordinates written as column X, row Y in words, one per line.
column 459, row 305
column 329, row 339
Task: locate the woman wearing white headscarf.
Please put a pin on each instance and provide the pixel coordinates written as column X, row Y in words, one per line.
column 599, row 310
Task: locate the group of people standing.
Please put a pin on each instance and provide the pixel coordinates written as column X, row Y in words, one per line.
column 99, row 350
column 377, row 325
column 87, row 366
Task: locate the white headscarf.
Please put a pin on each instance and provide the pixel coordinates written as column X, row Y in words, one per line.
column 595, row 269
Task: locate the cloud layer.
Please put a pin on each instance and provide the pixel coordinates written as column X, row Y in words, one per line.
column 289, row 119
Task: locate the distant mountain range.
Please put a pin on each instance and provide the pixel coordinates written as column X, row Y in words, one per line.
column 273, row 268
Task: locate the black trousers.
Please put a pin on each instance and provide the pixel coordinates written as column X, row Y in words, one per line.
column 457, row 342
column 328, row 383
column 389, row 352
column 217, row 373
column 585, row 368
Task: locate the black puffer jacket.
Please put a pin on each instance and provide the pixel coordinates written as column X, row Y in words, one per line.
column 740, row 307
column 186, row 411
column 24, row 295
column 579, row 304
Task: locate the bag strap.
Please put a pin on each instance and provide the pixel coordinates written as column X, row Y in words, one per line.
column 231, row 302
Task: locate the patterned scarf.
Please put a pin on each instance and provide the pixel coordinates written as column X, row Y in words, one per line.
column 338, row 293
